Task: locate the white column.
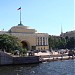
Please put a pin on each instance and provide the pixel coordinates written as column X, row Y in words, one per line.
column 39, row 41
column 42, row 40
column 45, row 40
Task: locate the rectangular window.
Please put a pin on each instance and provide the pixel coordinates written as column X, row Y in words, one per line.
column 33, row 47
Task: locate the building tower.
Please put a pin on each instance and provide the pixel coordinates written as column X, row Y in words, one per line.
column 61, row 29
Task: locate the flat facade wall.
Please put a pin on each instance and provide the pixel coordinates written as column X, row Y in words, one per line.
column 29, row 38
column 32, row 40
column 42, row 47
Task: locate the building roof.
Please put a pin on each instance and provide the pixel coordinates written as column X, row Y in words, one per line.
column 21, row 29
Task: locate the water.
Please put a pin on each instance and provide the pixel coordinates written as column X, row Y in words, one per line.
column 65, row 67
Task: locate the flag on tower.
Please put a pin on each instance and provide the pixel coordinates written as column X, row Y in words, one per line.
column 19, row 8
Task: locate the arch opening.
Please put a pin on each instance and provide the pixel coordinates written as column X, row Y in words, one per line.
column 25, row 45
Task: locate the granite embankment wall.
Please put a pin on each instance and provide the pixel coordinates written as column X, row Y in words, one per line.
column 6, row 59
column 26, row 60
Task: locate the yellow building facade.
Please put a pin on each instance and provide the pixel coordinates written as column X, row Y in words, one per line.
column 30, row 39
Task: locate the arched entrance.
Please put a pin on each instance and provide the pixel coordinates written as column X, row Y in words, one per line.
column 25, row 45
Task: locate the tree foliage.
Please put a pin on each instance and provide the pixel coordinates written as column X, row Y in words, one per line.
column 9, row 43
column 61, row 42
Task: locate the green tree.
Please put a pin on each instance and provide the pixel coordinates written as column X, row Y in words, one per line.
column 9, row 43
column 61, row 42
column 56, row 42
column 70, row 43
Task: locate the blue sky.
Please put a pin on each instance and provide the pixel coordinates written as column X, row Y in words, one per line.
column 45, row 16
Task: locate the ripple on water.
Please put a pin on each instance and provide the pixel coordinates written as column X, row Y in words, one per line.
column 66, row 67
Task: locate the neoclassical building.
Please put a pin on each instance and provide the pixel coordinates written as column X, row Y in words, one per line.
column 30, row 39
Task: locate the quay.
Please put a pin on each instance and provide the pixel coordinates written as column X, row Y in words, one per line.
column 7, row 59
column 48, row 57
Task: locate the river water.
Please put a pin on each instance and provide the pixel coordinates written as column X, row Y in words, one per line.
column 65, row 67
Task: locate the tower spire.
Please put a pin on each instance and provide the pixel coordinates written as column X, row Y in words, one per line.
column 61, row 29
column 20, row 17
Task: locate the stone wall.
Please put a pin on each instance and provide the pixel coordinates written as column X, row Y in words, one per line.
column 26, row 60
column 6, row 59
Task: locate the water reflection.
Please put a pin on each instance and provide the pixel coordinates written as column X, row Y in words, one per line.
column 66, row 67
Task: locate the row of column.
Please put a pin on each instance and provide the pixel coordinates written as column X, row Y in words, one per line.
column 42, row 41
